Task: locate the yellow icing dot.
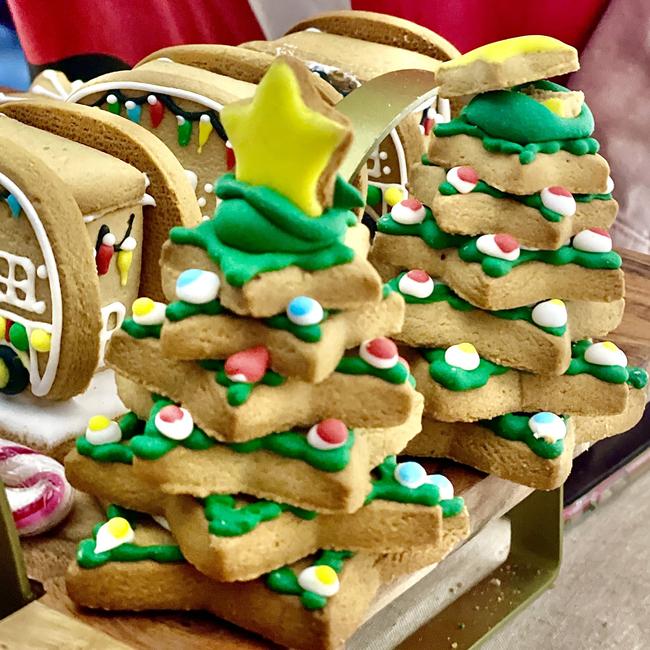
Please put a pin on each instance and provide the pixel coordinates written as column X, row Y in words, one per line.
column 556, row 301
column 394, row 194
column 325, row 574
column 4, row 374
column 142, row 306
column 499, row 51
column 608, row 345
column 3, row 327
column 118, row 527
column 40, row 340
column 467, row 348
column 555, row 105
column 98, row 422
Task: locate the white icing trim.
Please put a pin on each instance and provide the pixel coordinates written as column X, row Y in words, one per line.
column 105, row 334
column 40, row 90
column 26, row 286
column 41, row 386
column 53, row 78
column 139, row 85
column 375, row 170
column 147, row 199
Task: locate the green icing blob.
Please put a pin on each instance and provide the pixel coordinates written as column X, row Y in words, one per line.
column 398, row 374
column 530, row 200
column 635, row 377
column 141, row 331
column 496, row 268
column 458, row 379
column 512, row 122
column 18, row 337
column 307, row 333
column 180, row 309
column 114, row 452
column 514, row 426
column 256, row 230
column 238, row 392
column 386, row 487
column 428, row 231
column 285, row 580
column 228, row 519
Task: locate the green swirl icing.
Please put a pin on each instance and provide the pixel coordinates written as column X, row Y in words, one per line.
column 227, row 518
column 114, row 452
column 152, row 445
column 256, row 230
column 512, row 122
column 137, row 331
column 634, row 376
column 458, row 379
column 238, row 392
column 442, row 293
column 514, row 426
column 386, row 487
column 180, row 310
column 285, row 580
column 398, row 374
column 529, row 200
column 88, row 559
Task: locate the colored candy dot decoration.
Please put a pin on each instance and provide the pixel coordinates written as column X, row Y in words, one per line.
column 303, row 310
column 174, row 422
column 550, row 313
column 18, row 337
column 558, row 199
column 102, row 431
column 40, row 340
column 328, row 434
column 444, row 485
column 4, row 374
column 248, row 366
column 320, row 579
column 605, row 353
column 148, row 312
column 408, row 212
column 197, row 287
column 410, row 474
column 501, row 245
column 464, row 179
column 394, row 194
column 115, row 532
column 416, row 283
column 593, row 240
column 380, row 353
column 548, row 426
column 462, row 355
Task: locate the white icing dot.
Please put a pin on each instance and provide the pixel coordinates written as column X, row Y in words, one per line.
column 129, row 104
column 383, row 155
column 205, row 118
column 111, row 99
column 386, row 169
column 180, row 119
column 192, row 178
column 208, row 188
column 206, row 217
column 151, row 100
column 201, row 202
column 41, row 272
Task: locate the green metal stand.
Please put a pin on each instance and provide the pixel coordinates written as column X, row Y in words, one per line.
column 531, row 566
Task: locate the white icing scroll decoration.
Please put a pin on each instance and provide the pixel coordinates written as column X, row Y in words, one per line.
column 40, row 385
column 105, row 334
column 10, row 285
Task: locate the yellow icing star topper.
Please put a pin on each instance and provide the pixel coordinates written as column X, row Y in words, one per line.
column 288, row 138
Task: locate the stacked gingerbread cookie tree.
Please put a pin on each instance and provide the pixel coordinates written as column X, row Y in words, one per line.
column 267, row 406
column 508, row 271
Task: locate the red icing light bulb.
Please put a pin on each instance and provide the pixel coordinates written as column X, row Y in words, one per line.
column 328, row 434
column 171, row 413
column 468, row 174
column 379, row 353
column 248, row 365
column 507, row 243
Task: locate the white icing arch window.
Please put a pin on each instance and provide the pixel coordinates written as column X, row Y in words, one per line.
column 18, row 283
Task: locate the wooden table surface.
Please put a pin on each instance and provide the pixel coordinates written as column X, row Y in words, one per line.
column 48, row 555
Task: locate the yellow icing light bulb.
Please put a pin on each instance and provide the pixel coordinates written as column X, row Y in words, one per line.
column 142, row 306
column 115, row 532
column 4, row 374
column 393, row 195
column 40, row 340
column 98, row 422
column 124, row 260
column 468, row 348
column 205, row 129
column 3, row 327
column 325, row 574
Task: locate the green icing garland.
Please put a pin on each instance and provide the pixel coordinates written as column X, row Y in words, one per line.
column 386, row 487
column 458, row 379
column 228, row 519
column 514, row 426
column 238, row 392
column 398, row 374
column 634, row 376
column 114, row 452
column 512, row 122
column 530, row 200
column 441, row 292
column 256, row 230
column 137, row 331
column 88, row 559
column 181, row 310
column 285, row 580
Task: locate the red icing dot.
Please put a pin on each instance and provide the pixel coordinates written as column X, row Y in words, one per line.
column 467, row 174
column 507, row 243
column 601, row 231
column 251, row 363
column 332, row 431
column 382, row 348
column 559, row 190
column 411, row 204
column 170, row 413
column 417, row 275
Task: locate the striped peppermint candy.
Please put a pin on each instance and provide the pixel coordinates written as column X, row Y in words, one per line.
column 464, row 179
column 501, row 245
column 593, row 240
column 558, row 199
column 379, row 353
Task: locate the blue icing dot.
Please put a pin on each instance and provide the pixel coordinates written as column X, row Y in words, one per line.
column 187, row 277
column 410, row 473
column 544, row 417
column 301, row 305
